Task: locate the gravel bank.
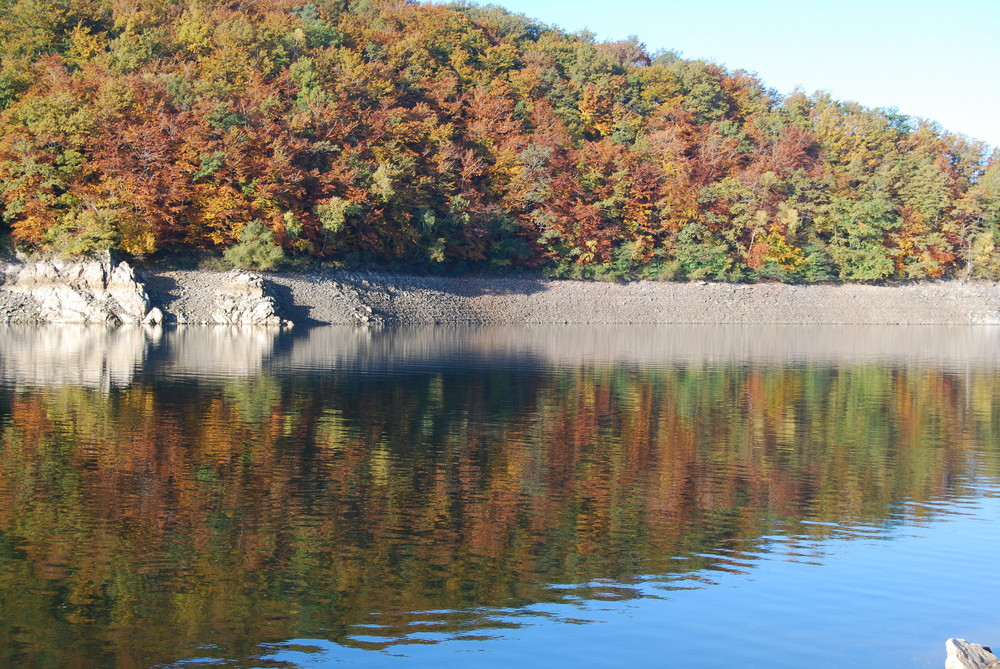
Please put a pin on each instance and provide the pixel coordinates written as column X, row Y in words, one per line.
column 340, row 297
column 353, row 298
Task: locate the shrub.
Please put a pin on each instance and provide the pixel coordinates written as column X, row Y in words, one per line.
column 702, row 255
column 81, row 232
column 255, row 250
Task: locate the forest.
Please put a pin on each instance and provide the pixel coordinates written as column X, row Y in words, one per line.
column 459, row 137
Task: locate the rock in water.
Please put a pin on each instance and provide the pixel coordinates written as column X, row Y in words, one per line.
column 154, row 317
column 965, row 655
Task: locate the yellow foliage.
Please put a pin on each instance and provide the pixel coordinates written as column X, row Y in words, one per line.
column 135, row 238
column 596, row 111
column 194, row 31
column 782, row 253
column 84, row 46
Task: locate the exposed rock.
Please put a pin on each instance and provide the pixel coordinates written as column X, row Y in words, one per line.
column 124, row 288
column 16, row 307
column 243, row 300
column 965, row 655
column 345, row 297
column 373, row 298
column 81, row 290
column 100, row 291
column 154, row 317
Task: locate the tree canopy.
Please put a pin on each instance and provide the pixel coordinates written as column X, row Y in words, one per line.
column 460, row 135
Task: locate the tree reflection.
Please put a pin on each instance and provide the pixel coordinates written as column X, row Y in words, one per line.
column 139, row 524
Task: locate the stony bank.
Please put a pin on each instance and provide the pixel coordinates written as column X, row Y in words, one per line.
column 103, row 291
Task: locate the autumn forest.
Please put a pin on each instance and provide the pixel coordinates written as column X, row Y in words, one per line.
column 459, row 137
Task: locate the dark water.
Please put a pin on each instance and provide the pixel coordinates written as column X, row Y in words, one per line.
column 696, row 497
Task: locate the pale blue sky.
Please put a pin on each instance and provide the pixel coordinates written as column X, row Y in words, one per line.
column 937, row 60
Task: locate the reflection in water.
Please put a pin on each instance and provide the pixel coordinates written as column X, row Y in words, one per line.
column 377, row 488
column 100, row 357
column 60, row 355
column 943, row 346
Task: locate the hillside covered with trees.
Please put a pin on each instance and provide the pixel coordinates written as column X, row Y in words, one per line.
column 460, row 137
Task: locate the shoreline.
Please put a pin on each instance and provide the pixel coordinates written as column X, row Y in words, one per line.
column 341, row 297
column 377, row 297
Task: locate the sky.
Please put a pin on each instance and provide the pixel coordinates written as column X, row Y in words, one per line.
column 937, row 60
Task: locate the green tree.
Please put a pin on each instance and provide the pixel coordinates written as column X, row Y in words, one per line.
column 256, row 249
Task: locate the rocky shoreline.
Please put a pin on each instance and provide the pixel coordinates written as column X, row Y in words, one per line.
column 101, row 291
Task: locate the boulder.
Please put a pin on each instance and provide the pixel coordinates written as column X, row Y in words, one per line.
column 965, row 655
column 154, row 317
column 243, row 300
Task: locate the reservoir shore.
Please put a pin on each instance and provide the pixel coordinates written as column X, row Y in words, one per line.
column 340, row 297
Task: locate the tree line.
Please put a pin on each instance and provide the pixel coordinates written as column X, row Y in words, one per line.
column 461, row 137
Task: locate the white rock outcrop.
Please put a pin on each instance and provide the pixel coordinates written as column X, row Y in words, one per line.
column 94, row 290
column 154, row 317
column 243, row 300
column 965, row 655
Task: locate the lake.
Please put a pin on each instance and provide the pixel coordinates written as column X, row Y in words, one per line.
column 568, row 496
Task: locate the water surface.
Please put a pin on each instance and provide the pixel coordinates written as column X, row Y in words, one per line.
column 545, row 496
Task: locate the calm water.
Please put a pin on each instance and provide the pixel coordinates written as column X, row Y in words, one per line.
column 542, row 497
